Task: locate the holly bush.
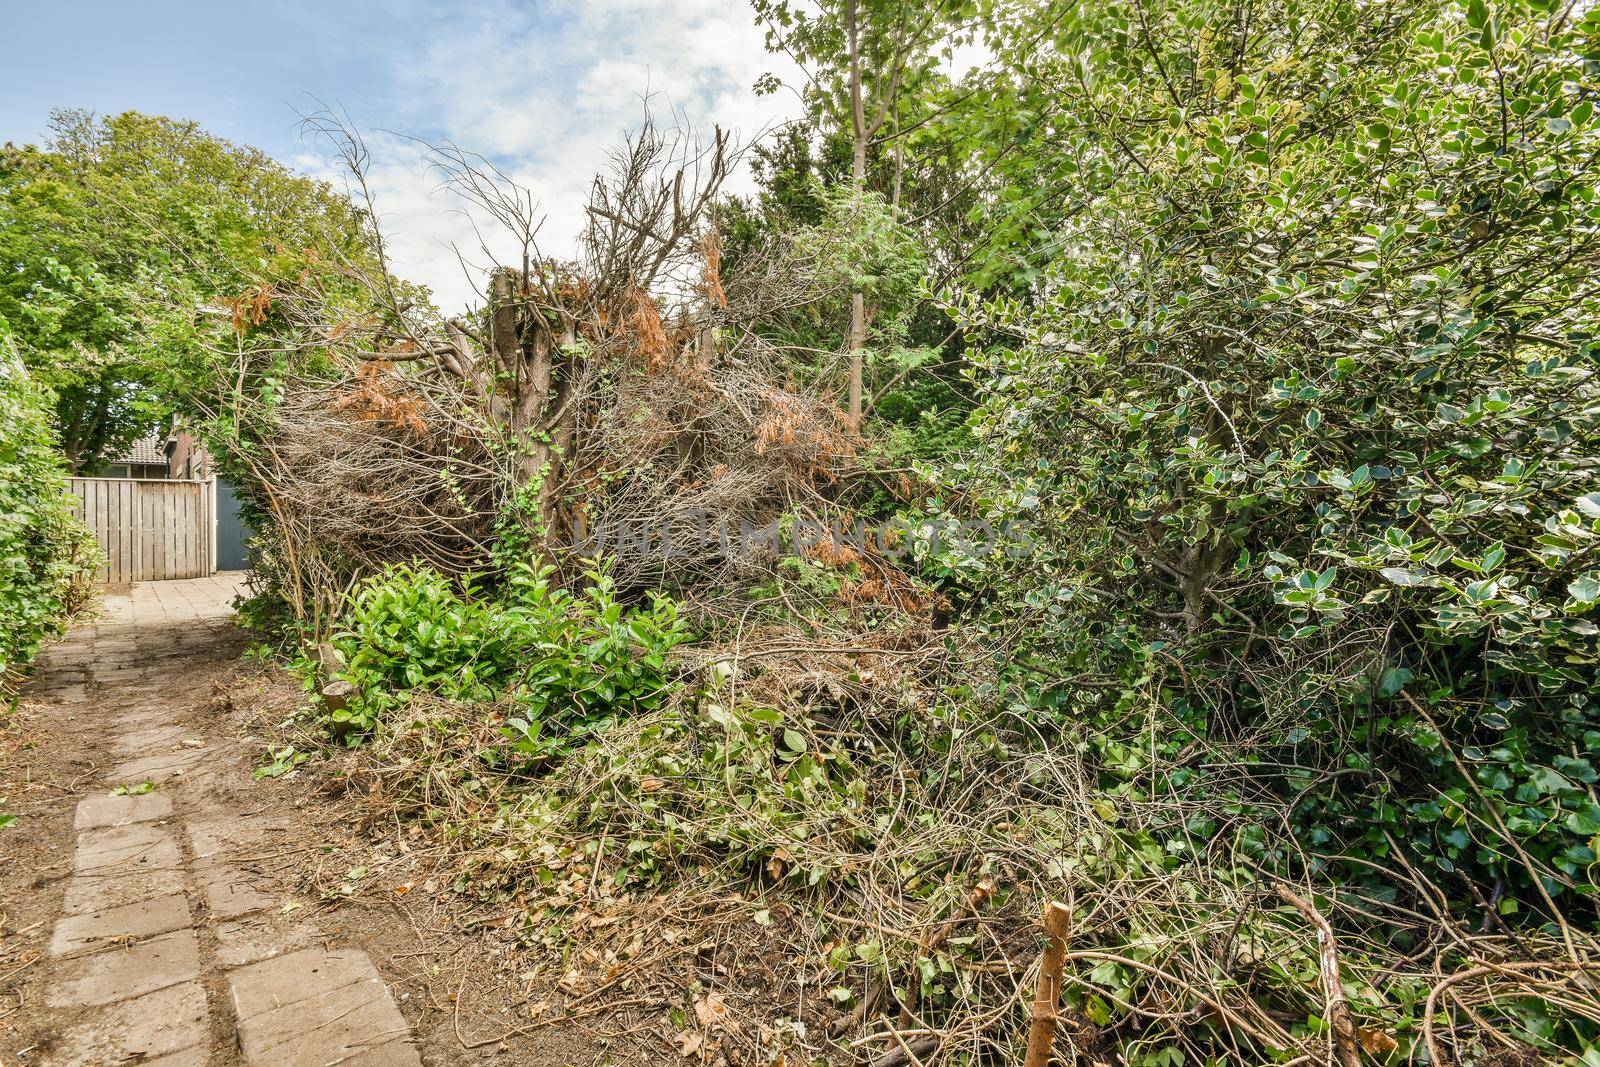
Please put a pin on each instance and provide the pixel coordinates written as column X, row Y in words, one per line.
column 1306, row 414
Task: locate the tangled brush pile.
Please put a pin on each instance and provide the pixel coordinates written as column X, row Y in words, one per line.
column 623, row 405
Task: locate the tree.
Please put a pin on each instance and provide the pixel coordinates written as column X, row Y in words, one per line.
column 125, row 240
column 861, row 59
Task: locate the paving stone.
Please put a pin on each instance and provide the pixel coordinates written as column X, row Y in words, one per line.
column 123, row 865
column 229, row 894
column 51, row 674
column 77, row 933
column 162, row 767
column 125, row 672
column 103, row 809
column 336, row 1024
column 284, row 980
column 147, row 718
column 120, row 973
column 149, row 740
column 114, row 888
column 212, row 837
column 115, row 849
column 160, row 1024
column 257, row 938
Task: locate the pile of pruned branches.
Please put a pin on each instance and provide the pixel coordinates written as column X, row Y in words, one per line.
column 623, row 404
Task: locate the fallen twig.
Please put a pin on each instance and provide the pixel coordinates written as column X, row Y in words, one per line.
column 1341, row 1025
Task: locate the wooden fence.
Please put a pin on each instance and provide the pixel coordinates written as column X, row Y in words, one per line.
column 150, row 530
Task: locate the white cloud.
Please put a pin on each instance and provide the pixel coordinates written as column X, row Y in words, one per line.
column 546, row 91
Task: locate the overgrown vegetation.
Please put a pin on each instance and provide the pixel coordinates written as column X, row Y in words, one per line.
column 1219, row 385
column 568, row 663
column 46, row 555
column 1309, row 413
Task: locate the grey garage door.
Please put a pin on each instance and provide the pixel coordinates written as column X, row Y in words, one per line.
column 232, row 532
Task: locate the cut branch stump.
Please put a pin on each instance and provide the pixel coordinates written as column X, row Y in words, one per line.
column 1042, row 1035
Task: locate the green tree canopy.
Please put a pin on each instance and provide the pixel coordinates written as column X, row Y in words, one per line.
column 124, row 240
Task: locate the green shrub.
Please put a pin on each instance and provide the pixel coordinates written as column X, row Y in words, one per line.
column 565, row 663
column 409, row 630
column 46, row 554
column 582, row 660
column 1309, row 416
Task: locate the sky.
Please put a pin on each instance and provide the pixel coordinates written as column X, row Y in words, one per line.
column 543, row 88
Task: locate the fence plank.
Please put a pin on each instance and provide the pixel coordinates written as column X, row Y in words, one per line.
column 149, row 543
column 125, row 532
column 106, row 499
column 208, row 524
column 161, row 519
column 176, row 509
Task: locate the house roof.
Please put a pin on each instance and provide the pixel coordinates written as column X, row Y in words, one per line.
column 149, row 450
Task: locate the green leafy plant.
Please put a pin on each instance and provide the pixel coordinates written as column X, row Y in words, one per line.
column 566, row 663
column 582, row 660
column 280, row 761
column 46, row 555
column 410, row 630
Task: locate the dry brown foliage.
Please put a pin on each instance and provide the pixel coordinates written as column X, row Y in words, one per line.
column 711, row 273
column 377, row 396
column 650, row 342
column 250, row 307
column 629, row 389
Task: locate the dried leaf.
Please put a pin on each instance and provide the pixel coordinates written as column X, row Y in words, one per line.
column 1375, row 1042
column 711, row 1010
column 690, row 1043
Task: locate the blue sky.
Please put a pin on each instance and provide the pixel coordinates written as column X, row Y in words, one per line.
column 543, row 88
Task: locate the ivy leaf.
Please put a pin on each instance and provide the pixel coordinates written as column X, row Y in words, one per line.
column 1393, row 680
column 1586, row 820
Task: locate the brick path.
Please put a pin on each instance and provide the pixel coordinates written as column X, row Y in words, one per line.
column 166, row 953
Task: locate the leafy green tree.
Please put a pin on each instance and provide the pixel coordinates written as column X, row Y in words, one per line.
column 865, row 63
column 126, row 241
column 1304, row 403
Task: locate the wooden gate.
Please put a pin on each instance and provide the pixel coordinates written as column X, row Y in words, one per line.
column 150, row 530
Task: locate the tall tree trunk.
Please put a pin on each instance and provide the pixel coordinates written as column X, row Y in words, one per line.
column 83, row 440
column 71, row 442
column 858, row 179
